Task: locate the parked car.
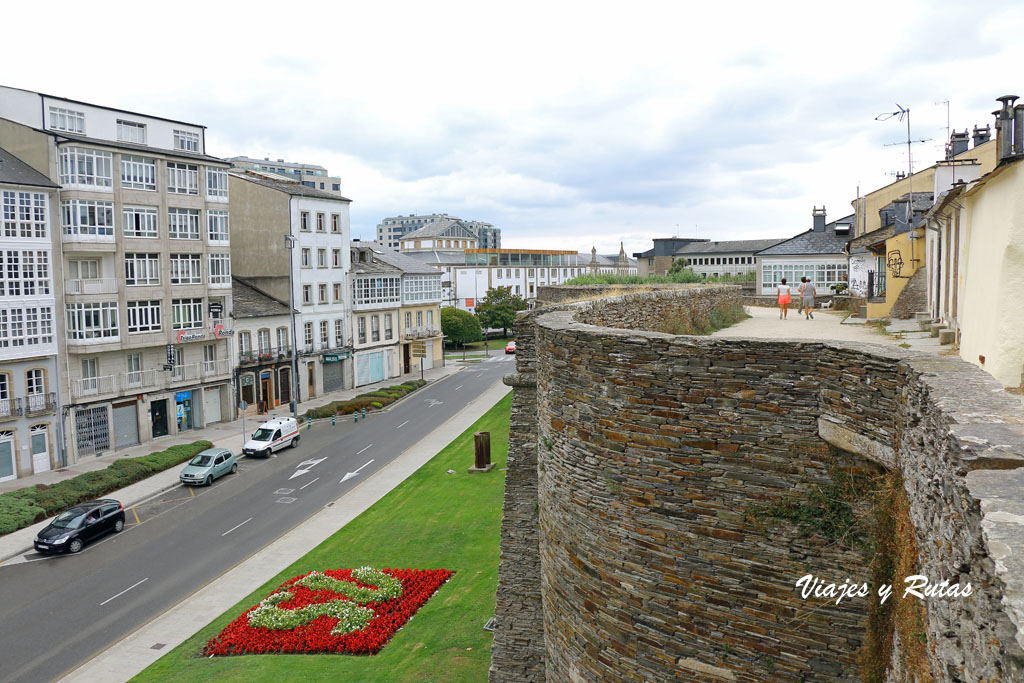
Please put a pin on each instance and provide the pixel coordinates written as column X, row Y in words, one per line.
column 209, row 465
column 510, row 347
column 272, row 435
column 78, row 525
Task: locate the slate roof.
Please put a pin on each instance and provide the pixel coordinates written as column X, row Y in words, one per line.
column 437, row 257
column 810, row 243
column 727, row 246
column 438, row 229
column 249, row 302
column 14, row 171
column 293, row 189
column 403, row 262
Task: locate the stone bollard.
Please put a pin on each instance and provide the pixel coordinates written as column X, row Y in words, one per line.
column 482, row 448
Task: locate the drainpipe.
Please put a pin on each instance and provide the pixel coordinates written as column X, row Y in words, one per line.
column 59, row 321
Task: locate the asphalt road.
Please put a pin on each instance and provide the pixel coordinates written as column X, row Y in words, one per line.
column 57, row 612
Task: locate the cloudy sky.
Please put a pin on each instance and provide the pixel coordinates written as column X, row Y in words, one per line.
column 566, row 124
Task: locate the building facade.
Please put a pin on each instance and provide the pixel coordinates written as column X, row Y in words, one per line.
column 263, row 364
column 391, row 230
column 30, row 428
column 488, row 236
column 145, row 257
column 376, row 304
column 818, row 254
column 310, row 175
column 718, row 258
column 659, row 259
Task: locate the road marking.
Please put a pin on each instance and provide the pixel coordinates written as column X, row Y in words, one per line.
column 402, row 425
column 305, row 466
column 459, row 387
column 235, row 527
column 349, row 475
column 124, row 591
column 283, row 492
column 286, row 500
column 308, row 483
column 136, row 513
column 358, row 452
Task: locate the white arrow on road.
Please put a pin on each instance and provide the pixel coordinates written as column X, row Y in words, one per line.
column 352, row 474
column 305, row 466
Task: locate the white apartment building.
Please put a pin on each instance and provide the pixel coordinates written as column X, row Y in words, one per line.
column 524, row 270
column 391, row 230
column 376, row 303
column 30, row 427
column 145, row 257
column 311, row 175
column 316, row 223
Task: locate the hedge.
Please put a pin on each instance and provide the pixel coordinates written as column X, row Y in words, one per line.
column 371, row 400
column 26, row 506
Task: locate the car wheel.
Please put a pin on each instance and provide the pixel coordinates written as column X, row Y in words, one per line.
column 209, row 481
column 75, row 545
column 295, row 442
column 118, row 526
column 234, row 468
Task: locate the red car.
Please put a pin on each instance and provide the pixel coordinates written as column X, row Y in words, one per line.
column 510, row 347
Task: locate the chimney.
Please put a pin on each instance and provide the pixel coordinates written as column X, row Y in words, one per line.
column 1018, row 129
column 958, row 143
column 1004, row 126
column 982, row 135
column 818, row 216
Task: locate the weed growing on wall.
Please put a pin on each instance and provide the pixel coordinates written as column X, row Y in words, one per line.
column 703, row 322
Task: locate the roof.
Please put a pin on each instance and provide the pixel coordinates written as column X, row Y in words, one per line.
column 435, row 256
column 375, row 265
column 293, row 189
column 810, row 243
column 249, row 302
column 101, row 106
column 405, row 263
column 291, row 164
column 439, row 229
column 922, row 202
column 141, row 149
column 727, row 246
column 14, row 171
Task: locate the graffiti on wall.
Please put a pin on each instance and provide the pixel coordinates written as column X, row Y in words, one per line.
column 859, row 274
column 894, row 261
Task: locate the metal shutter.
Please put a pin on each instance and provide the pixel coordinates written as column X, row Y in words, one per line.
column 332, row 376
column 126, row 425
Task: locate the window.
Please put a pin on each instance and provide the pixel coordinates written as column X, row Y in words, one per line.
column 339, row 333
column 517, row 272
column 144, row 316
column 83, row 270
column 387, row 327
column 89, row 167
column 307, row 329
column 186, row 269
column 408, row 320
column 499, row 273
column 24, row 214
column 307, row 294
column 245, row 345
column 186, row 140
column 217, row 226
column 304, row 221
column 324, row 335
column 262, row 341
column 92, row 321
column 220, row 269
column 142, row 269
column 321, row 258
column 67, row 120
column 26, row 326
column 377, row 290
column 335, row 220
column 306, row 258
column 430, row 320
column 419, row 320
column 183, row 224
column 321, row 222
column 139, row 221
column 129, row 131
column 216, row 183
column 282, row 339
column 138, row 173
column 85, row 217
column 336, row 258
column 336, row 187
column 182, row 178
column 35, row 385
column 322, row 291
column 362, row 329
column 422, row 288
column 187, row 313
column 24, row 273
column 375, row 328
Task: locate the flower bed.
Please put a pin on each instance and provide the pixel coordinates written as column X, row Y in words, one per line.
column 354, row 611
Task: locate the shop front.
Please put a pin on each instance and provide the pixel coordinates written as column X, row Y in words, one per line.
column 184, row 410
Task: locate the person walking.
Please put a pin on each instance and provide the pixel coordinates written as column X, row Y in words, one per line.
column 784, row 297
column 800, row 296
column 807, row 294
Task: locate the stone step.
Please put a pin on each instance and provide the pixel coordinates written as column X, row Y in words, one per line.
column 923, row 315
column 863, row 311
column 946, row 336
column 936, row 328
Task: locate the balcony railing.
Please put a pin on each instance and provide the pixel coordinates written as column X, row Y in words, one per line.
column 92, row 386
column 420, row 333
column 264, row 355
column 140, row 379
column 100, row 286
column 40, row 403
column 10, row 408
column 216, row 368
column 87, row 237
column 184, row 373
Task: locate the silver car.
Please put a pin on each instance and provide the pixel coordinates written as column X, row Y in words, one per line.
column 208, row 465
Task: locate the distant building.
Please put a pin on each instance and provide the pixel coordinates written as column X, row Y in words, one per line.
column 658, row 260
column 450, row 234
column 310, row 175
column 818, row 254
column 488, row 236
column 391, row 230
column 609, row 264
column 719, row 258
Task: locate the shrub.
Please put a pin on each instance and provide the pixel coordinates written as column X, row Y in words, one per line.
column 375, row 404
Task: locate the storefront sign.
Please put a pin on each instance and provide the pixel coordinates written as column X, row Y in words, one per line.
column 219, row 332
column 182, row 396
column 247, row 380
column 185, row 336
column 216, row 308
column 170, row 354
column 331, row 358
column 419, row 349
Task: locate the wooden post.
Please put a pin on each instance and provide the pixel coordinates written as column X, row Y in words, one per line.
column 482, row 447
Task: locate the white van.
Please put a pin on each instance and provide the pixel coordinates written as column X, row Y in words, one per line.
column 271, row 436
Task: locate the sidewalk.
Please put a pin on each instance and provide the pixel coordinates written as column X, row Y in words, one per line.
column 131, row 655
column 223, row 435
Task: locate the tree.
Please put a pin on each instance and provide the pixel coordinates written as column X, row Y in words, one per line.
column 681, row 272
column 459, row 327
column 498, row 309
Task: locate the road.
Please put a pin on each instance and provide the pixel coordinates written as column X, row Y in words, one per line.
column 57, row 612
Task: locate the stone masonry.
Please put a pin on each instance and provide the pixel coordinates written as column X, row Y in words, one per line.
column 626, row 551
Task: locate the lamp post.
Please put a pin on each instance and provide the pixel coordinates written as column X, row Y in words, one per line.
column 289, row 243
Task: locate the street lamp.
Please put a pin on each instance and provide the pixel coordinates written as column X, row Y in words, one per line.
column 289, row 243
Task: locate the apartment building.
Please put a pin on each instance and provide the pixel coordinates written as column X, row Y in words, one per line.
column 146, row 267
column 263, row 368
column 311, row 175
column 30, row 429
column 522, row 270
column 376, row 306
column 289, row 234
column 488, row 236
column 391, row 230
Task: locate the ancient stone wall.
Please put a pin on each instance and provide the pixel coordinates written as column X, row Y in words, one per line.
column 645, row 457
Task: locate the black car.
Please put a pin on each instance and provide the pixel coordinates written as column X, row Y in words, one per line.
column 78, row 525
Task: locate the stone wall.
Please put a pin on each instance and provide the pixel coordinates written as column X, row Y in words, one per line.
column 641, row 452
column 913, row 297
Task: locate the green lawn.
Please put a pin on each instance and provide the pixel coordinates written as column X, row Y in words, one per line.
column 432, row 520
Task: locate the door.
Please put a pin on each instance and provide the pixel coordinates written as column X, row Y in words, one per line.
column 311, row 378
column 284, row 384
column 369, row 368
column 406, row 358
column 211, row 404
column 158, row 410
column 92, row 431
column 428, row 361
column 266, row 395
column 7, row 470
column 126, row 425
column 92, row 526
column 40, row 436
column 332, row 376
column 218, row 465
